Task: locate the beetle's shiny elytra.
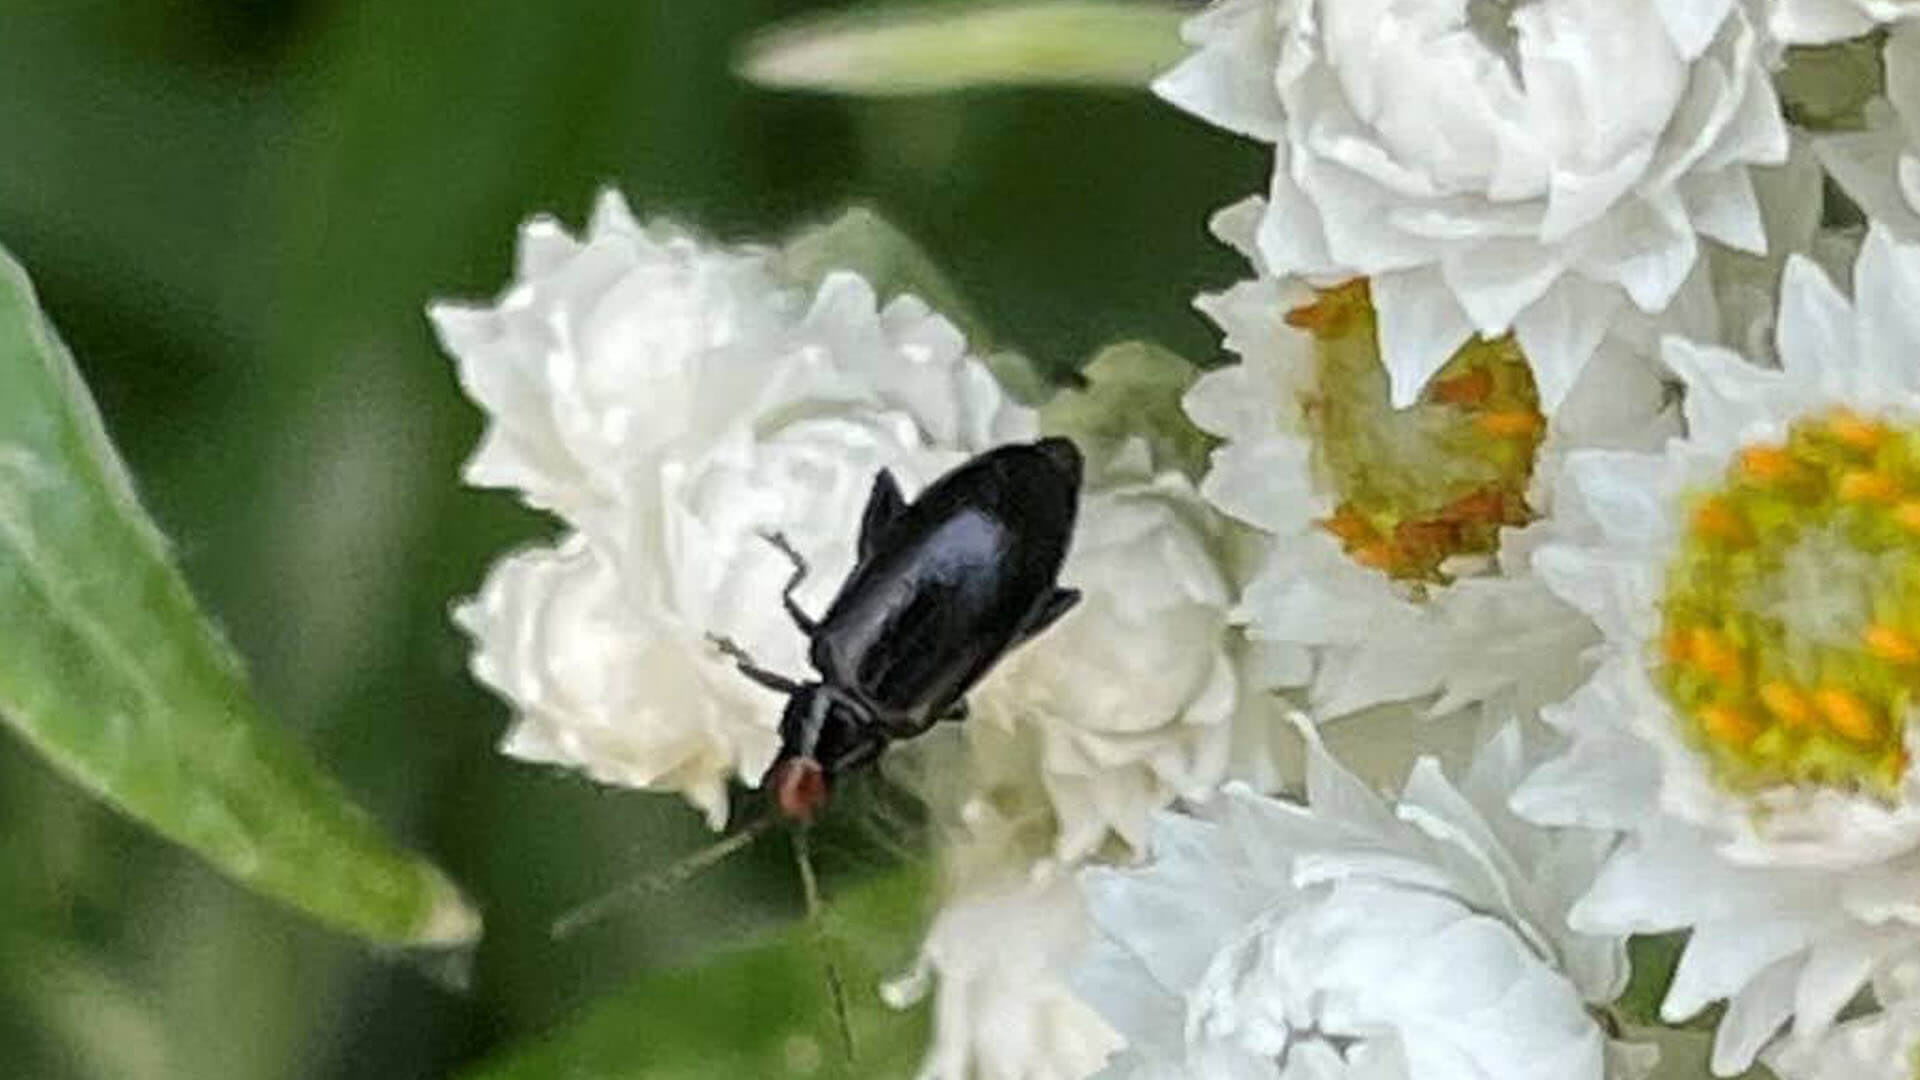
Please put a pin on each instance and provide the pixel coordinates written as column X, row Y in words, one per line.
column 942, row 588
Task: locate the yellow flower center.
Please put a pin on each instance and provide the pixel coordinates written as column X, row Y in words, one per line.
column 1791, row 636
column 1421, row 485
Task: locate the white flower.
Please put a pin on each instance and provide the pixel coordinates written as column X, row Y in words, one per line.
column 584, row 362
column 1746, row 288
column 1012, row 922
column 1818, row 22
column 1353, row 937
column 1881, row 1046
column 1749, row 728
column 1396, row 553
column 1134, row 697
column 1880, row 167
column 1494, row 166
column 679, row 439
column 598, row 685
column 1004, row 1009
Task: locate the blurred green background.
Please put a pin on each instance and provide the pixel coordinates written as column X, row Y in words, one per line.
column 235, row 211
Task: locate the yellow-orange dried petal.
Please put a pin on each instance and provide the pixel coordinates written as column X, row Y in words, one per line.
column 1467, row 388
column 1510, row 424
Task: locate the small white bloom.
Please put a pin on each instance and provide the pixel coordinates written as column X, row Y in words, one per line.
column 583, row 363
column 598, row 684
column 1003, row 1009
column 1819, row 22
column 1011, row 924
column 1396, row 540
column 1750, row 727
column 1355, row 937
column 1492, row 166
column 674, row 405
column 1880, row 167
column 1134, row 698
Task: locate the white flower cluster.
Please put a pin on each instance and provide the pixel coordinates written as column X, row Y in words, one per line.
column 674, row 403
column 1280, row 965
column 1558, row 447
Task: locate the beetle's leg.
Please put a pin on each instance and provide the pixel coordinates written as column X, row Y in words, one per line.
column 956, row 713
column 861, row 755
column 742, row 660
column 800, row 618
column 913, row 729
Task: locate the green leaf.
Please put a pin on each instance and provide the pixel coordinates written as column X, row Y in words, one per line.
column 1654, row 960
column 1075, row 43
column 109, row 669
column 97, row 1023
column 1133, row 390
column 761, row 1011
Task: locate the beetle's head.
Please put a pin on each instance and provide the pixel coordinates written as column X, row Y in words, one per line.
column 798, row 780
column 799, row 787
column 822, row 734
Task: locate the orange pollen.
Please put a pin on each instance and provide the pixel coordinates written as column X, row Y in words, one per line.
column 1716, row 519
column 1767, row 464
column 1677, row 645
column 1788, row 705
column 1857, row 431
column 1847, row 714
column 1715, row 655
column 1891, row 644
column 1512, row 424
column 1471, row 388
column 1863, row 485
column 1729, row 724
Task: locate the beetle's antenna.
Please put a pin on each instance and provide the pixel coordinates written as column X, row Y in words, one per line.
column 810, row 888
column 673, row 876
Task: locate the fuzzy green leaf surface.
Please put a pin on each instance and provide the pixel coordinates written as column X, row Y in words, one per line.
column 762, row 1011
column 109, row 669
column 892, row 52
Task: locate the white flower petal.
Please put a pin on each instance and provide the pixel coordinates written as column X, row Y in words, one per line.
column 1752, row 1019
column 1421, row 326
column 1429, row 136
column 1352, row 940
column 1816, row 322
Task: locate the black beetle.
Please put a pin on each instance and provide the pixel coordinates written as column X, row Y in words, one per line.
column 941, row 589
